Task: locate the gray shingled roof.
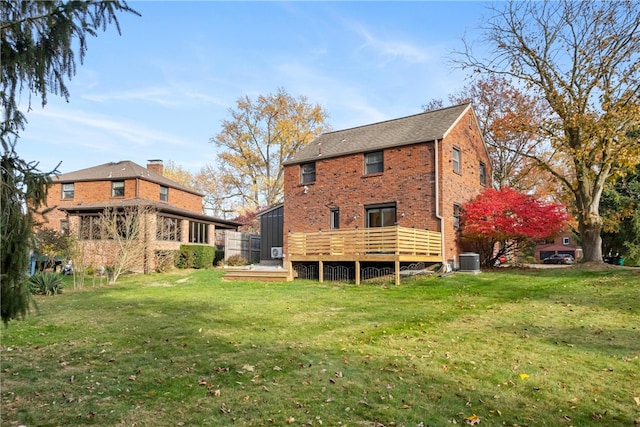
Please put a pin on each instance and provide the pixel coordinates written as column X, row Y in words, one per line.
column 124, row 169
column 422, row 127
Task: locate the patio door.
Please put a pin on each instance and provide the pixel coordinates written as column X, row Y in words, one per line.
column 380, row 215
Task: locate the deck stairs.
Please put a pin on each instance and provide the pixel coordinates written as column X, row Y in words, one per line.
column 265, row 271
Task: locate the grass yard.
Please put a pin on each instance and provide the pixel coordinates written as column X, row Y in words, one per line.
column 539, row 347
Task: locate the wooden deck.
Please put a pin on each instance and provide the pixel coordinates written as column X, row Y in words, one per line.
column 381, row 244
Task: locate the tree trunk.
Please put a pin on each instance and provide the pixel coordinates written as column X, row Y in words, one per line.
column 588, row 194
column 591, row 241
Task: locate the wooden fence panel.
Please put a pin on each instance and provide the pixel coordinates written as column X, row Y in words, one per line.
column 245, row 244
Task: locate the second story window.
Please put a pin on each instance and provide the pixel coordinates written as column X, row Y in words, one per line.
column 68, row 190
column 308, row 173
column 373, row 162
column 117, row 188
column 456, row 159
column 164, row 193
column 483, row 174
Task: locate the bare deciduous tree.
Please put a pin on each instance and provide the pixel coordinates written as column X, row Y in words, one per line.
column 129, row 232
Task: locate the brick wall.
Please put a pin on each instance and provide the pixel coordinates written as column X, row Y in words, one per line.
column 100, row 253
column 408, row 180
column 182, row 199
column 463, row 187
column 90, row 192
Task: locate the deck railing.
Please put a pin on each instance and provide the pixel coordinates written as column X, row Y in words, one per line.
column 394, row 240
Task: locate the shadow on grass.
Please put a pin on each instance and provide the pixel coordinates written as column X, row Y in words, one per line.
column 617, row 290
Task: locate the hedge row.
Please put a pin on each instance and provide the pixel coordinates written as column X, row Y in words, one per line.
column 188, row 256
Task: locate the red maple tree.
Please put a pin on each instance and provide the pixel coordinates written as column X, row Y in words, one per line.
column 509, row 218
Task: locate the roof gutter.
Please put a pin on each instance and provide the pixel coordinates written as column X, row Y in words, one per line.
column 437, row 192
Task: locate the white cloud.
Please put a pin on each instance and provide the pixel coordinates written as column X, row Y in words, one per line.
column 154, row 95
column 207, row 99
column 92, row 122
column 391, row 49
column 347, row 98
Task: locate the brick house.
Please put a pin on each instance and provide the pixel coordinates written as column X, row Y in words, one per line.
column 80, row 197
column 564, row 243
column 396, row 184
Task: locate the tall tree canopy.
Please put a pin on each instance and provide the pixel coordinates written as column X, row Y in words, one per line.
column 508, row 119
column 40, row 43
column 260, row 135
column 621, row 212
column 581, row 58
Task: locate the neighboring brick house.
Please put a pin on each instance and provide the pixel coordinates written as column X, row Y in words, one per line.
column 561, row 244
column 80, row 197
column 411, row 173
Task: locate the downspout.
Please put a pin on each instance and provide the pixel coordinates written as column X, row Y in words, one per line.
column 137, row 186
column 438, row 216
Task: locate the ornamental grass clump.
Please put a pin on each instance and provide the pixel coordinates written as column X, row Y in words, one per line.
column 45, row 283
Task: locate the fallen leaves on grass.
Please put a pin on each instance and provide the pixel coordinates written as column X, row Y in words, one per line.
column 524, row 376
column 472, row 420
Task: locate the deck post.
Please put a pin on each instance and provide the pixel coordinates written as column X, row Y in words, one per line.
column 320, row 271
column 397, row 272
column 357, row 272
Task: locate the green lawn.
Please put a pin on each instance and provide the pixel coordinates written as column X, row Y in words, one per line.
column 541, row 347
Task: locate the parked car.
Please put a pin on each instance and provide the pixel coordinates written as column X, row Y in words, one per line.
column 559, row 259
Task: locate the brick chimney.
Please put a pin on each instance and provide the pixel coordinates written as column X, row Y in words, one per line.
column 155, row 165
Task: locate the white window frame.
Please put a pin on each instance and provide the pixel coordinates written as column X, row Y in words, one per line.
column 66, row 193
column 456, row 157
column 117, row 188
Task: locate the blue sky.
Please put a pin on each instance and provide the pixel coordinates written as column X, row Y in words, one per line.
column 162, row 88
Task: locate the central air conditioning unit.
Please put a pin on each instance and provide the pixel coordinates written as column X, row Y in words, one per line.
column 470, row 262
column 276, row 252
